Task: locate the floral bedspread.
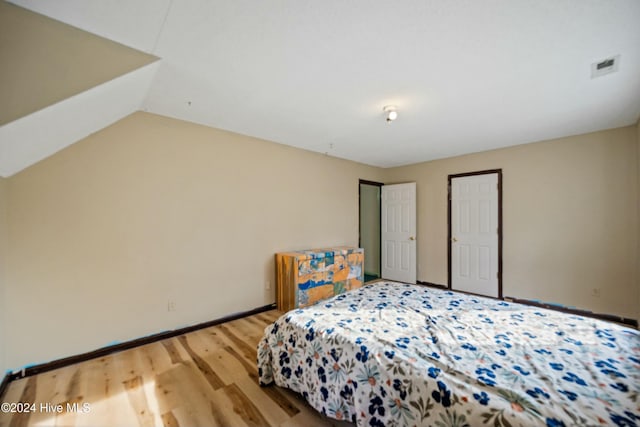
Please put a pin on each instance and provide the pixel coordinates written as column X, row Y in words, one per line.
column 392, row 354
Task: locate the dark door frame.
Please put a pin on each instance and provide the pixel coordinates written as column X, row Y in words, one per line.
column 375, row 184
column 460, row 175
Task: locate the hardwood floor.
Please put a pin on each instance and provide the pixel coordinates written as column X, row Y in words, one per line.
column 204, row 378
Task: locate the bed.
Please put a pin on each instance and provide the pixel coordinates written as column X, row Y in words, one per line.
column 392, row 354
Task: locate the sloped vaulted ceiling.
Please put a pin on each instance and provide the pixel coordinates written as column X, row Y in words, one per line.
column 466, row 76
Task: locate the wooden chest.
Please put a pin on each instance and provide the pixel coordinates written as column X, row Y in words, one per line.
column 306, row 277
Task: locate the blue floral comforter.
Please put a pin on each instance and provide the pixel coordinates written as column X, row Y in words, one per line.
column 392, row 354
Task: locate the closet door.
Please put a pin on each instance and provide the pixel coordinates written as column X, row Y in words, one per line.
column 474, row 234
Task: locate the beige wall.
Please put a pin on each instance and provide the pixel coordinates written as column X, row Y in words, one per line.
column 570, row 218
column 3, row 260
column 45, row 61
column 153, row 209
column 103, row 234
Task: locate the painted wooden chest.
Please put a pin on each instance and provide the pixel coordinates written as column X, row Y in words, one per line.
column 306, row 277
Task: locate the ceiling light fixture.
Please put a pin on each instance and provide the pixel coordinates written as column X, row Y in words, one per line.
column 391, row 112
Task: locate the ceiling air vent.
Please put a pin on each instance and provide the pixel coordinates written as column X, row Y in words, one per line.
column 606, row 66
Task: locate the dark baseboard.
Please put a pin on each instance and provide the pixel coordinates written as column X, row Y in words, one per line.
column 570, row 310
column 433, row 285
column 609, row 317
column 104, row 351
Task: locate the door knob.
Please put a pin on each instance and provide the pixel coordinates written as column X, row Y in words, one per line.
column 453, row 239
column 412, row 238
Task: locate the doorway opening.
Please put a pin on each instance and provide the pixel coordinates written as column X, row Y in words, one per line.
column 369, row 232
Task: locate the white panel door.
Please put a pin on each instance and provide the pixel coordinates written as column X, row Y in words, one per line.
column 398, row 232
column 474, row 234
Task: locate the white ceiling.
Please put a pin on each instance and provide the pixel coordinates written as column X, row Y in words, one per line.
column 466, row 75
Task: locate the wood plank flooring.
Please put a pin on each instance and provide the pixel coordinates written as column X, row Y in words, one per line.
column 204, row 378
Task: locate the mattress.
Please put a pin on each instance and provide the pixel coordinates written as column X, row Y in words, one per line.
column 392, row 354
